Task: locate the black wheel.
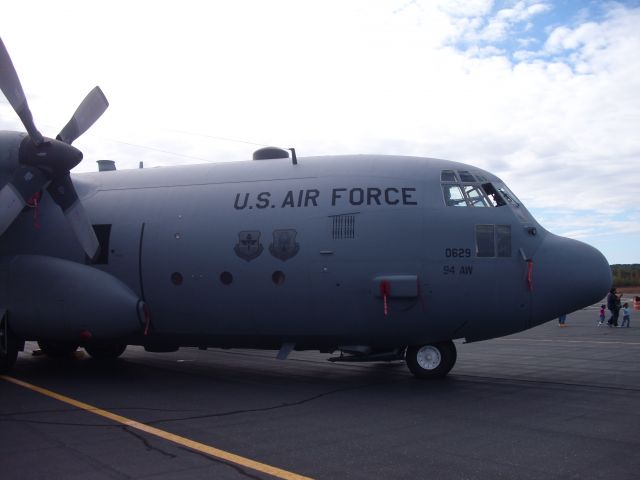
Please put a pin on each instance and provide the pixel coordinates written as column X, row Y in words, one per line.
column 58, row 349
column 431, row 361
column 106, row 351
column 8, row 346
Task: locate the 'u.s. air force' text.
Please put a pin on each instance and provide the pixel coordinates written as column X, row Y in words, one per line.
column 336, row 197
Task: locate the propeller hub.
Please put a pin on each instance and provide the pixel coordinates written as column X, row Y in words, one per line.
column 52, row 156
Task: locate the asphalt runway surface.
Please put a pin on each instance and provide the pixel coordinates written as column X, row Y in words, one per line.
column 552, row 403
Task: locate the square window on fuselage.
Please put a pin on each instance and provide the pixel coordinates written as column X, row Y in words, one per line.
column 485, row 241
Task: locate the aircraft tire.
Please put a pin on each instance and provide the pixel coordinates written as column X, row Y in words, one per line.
column 431, row 361
column 8, row 348
column 57, row 349
column 106, row 351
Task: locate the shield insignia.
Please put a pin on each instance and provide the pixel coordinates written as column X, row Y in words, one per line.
column 248, row 246
column 284, row 244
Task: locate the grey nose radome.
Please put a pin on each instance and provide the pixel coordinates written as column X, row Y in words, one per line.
column 567, row 275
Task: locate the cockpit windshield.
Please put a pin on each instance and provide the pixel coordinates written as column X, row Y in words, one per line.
column 464, row 189
column 453, row 196
column 475, row 196
column 461, row 188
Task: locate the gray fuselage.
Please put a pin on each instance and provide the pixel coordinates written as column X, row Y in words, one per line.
column 261, row 253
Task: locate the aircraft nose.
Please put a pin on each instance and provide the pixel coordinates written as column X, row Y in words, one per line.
column 567, row 275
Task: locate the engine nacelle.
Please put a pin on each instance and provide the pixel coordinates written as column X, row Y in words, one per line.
column 54, row 299
column 9, row 154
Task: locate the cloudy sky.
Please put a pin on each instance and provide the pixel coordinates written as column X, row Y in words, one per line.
column 545, row 94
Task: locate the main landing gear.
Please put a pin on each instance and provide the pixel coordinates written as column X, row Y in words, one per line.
column 58, row 349
column 431, row 361
column 106, row 351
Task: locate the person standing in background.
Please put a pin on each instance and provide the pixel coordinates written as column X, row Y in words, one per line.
column 625, row 315
column 613, row 304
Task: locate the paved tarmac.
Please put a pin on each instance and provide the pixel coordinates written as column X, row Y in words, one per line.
column 552, row 403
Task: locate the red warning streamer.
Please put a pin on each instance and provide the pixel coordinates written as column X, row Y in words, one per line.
column 530, row 274
column 34, row 202
column 147, row 319
column 385, row 290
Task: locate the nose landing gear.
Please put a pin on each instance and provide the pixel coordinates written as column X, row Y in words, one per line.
column 431, row 361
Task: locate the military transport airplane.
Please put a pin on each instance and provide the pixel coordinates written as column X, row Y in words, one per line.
column 369, row 256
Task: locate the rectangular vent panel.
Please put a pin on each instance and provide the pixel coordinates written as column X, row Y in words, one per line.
column 343, row 227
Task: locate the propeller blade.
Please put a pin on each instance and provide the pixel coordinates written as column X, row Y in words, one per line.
column 14, row 195
column 90, row 110
column 12, row 89
column 64, row 194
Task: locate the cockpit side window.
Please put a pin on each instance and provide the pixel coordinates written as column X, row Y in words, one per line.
column 492, row 194
column 508, row 196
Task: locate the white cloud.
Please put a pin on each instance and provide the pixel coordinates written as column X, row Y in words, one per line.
column 465, row 8
column 478, row 25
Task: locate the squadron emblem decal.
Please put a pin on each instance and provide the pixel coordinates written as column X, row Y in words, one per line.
column 248, row 246
column 284, row 244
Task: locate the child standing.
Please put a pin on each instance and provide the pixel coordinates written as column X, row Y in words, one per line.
column 625, row 315
column 601, row 315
